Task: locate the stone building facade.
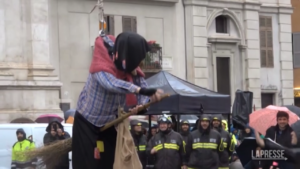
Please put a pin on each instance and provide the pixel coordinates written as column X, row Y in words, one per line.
column 296, row 49
column 242, row 44
column 46, row 47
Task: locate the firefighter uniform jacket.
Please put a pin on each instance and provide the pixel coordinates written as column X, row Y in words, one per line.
column 185, row 136
column 140, row 142
column 203, row 150
column 170, row 150
column 228, row 145
column 18, row 159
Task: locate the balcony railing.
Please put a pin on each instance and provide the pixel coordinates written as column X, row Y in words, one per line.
column 153, row 60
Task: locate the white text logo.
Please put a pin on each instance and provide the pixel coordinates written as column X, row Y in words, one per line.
column 268, row 155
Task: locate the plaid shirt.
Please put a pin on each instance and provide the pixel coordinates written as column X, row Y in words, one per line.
column 103, row 94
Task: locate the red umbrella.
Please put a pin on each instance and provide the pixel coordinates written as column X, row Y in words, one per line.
column 262, row 119
column 47, row 118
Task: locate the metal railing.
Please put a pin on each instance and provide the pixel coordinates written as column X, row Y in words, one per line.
column 153, row 60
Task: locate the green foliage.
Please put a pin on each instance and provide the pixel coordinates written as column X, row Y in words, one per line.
column 148, row 58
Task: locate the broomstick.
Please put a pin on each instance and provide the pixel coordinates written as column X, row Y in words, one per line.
column 52, row 153
column 123, row 117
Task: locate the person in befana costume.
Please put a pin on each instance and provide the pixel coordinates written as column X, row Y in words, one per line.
column 114, row 79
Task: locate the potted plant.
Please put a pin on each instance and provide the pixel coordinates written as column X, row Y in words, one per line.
column 148, row 58
column 154, row 47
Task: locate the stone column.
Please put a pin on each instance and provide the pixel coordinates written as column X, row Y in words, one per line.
column 244, row 60
column 39, row 65
column 252, row 57
column 28, row 87
column 286, row 56
column 196, row 37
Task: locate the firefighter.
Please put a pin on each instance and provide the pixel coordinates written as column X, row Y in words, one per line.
column 228, row 143
column 151, row 133
column 185, row 130
column 167, row 146
column 139, row 141
column 204, row 146
column 225, row 127
column 19, row 161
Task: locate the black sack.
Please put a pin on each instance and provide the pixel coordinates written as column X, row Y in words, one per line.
column 242, row 107
column 296, row 155
column 290, row 154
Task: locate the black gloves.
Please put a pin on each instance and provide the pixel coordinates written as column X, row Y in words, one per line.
column 147, row 92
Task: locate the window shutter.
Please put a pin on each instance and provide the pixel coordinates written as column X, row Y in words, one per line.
column 129, row 24
column 134, row 26
column 270, row 58
column 262, row 22
column 296, row 49
column 263, row 39
column 269, row 22
column 126, row 21
column 269, row 39
column 266, row 41
column 111, row 25
column 110, row 22
column 263, row 58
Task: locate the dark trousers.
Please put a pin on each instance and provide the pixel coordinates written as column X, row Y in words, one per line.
column 85, row 136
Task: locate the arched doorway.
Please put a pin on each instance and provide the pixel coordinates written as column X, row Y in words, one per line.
column 22, row 120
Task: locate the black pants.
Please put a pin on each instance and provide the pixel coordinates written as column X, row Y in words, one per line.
column 85, row 136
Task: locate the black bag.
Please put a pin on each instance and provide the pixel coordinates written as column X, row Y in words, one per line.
column 242, row 107
column 291, row 154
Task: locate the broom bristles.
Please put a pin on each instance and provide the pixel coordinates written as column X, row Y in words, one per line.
column 50, row 154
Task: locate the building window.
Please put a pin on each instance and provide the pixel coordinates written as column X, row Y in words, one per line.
column 266, row 41
column 267, row 99
column 110, row 22
column 129, row 23
column 221, row 24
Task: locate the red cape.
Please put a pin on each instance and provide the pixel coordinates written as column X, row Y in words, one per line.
column 102, row 62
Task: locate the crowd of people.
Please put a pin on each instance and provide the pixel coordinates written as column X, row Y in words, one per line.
column 54, row 132
column 209, row 145
column 115, row 80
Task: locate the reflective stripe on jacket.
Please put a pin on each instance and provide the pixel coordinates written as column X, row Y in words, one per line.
column 185, row 136
column 170, row 150
column 140, row 142
column 19, row 160
column 233, row 138
column 203, row 150
column 228, row 145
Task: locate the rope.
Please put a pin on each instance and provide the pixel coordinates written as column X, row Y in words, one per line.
column 102, row 23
